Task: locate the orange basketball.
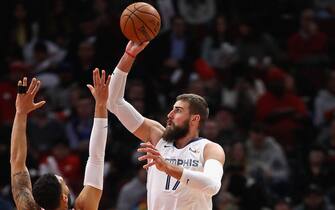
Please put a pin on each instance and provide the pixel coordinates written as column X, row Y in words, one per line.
column 140, row 22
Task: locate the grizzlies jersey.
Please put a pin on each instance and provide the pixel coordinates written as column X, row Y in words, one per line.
column 166, row 192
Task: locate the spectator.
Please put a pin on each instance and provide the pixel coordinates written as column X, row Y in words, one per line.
column 266, row 160
column 225, row 201
column 211, row 131
column 282, row 204
column 256, row 49
column 197, row 12
column 249, row 194
column 78, row 129
column 325, row 102
column 17, row 69
column 133, row 194
column 283, row 111
column 237, row 157
column 314, row 199
column 39, row 128
column 308, row 44
column 177, row 54
column 65, row 163
column 229, row 130
column 316, row 171
column 84, row 62
column 243, row 97
column 329, row 144
column 19, row 30
column 218, row 50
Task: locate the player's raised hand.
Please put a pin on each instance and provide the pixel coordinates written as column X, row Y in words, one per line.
column 25, row 96
column 99, row 89
column 134, row 48
column 152, row 156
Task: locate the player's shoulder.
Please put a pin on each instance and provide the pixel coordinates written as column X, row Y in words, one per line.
column 213, row 150
column 200, row 141
column 212, row 146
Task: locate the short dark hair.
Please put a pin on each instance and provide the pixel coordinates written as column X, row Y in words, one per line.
column 198, row 105
column 47, row 192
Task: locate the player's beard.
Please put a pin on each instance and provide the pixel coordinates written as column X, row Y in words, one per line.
column 172, row 133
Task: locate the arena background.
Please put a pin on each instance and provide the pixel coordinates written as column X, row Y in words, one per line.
column 265, row 67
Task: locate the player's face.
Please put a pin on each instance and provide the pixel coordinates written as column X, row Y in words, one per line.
column 177, row 125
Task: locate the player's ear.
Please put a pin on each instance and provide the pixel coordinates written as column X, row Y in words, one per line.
column 64, row 198
column 195, row 118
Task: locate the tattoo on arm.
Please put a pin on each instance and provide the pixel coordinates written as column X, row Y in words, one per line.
column 22, row 191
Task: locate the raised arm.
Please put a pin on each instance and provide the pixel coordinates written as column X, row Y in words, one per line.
column 20, row 179
column 90, row 196
column 143, row 128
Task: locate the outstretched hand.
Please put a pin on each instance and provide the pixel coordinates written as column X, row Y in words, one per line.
column 135, row 48
column 152, row 156
column 25, row 100
column 99, row 89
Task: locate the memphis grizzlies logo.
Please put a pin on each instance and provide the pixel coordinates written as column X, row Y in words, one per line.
column 182, row 162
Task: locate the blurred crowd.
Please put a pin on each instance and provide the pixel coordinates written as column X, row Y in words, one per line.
column 266, row 69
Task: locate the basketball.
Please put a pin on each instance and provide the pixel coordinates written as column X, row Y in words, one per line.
column 140, row 22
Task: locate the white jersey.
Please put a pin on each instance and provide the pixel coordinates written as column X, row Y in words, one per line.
column 166, row 192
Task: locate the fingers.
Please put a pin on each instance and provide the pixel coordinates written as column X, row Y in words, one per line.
column 152, row 155
column 91, row 88
column 130, row 44
column 32, row 85
column 147, row 144
column 25, row 81
column 98, row 77
column 147, row 157
column 103, row 78
column 100, row 80
column 39, row 104
column 149, row 150
column 144, row 44
column 37, row 85
column 20, row 88
column 108, row 80
column 146, row 166
column 94, row 75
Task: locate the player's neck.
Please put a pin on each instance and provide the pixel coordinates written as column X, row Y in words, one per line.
column 182, row 142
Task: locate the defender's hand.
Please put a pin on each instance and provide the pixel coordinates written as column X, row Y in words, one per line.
column 25, row 99
column 134, row 48
column 99, row 89
column 152, row 156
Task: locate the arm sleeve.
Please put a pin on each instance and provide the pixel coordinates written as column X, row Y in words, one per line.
column 208, row 181
column 116, row 104
column 95, row 164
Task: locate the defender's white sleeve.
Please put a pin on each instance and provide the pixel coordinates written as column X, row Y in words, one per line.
column 94, row 172
column 208, row 181
column 116, row 104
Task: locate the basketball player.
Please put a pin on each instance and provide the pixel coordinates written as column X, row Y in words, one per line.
column 187, row 169
column 50, row 192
